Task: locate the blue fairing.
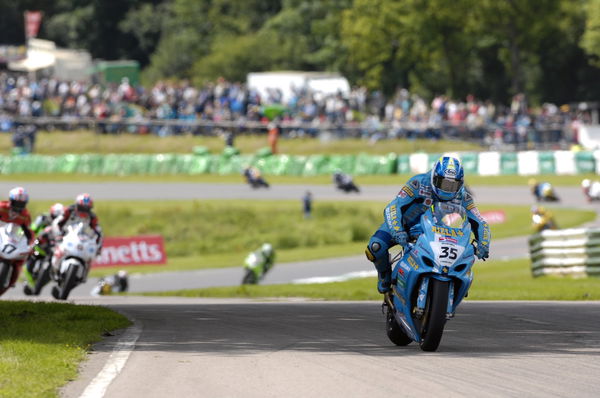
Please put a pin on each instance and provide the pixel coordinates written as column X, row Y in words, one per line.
column 442, row 252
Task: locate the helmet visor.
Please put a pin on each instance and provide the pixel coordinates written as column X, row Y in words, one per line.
column 17, row 205
column 447, row 184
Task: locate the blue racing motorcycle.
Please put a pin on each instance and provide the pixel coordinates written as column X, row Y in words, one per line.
column 431, row 278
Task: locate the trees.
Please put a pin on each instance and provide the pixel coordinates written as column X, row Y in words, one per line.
column 549, row 49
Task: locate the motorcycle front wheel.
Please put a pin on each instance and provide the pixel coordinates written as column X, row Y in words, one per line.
column 434, row 320
column 43, row 277
column 249, row 278
column 68, row 283
column 5, row 274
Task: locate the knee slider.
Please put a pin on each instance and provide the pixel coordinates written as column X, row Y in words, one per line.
column 376, row 250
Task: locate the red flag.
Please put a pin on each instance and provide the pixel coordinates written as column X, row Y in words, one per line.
column 33, row 20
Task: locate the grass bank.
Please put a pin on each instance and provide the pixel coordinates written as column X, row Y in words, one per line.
column 82, row 141
column 394, row 180
column 41, row 344
column 494, row 280
column 213, row 233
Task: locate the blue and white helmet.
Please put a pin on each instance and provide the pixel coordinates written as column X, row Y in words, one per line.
column 447, row 177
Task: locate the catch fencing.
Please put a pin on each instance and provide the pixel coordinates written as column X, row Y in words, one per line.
column 573, row 252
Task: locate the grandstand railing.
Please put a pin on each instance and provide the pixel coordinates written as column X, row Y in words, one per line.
column 549, row 133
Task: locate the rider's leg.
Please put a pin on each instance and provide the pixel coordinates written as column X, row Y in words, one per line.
column 377, row 252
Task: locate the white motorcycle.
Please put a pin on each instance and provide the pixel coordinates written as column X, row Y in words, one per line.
column 13, row 247
column 73, row 257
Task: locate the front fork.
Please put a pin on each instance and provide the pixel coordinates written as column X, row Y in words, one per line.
column 419, row 308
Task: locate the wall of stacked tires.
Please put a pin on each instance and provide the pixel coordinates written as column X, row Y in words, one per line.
column 230, row 161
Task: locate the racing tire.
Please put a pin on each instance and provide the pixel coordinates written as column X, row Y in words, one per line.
column 394, row 331
column 68, row 283
column 435, row 315
column 249, row 278
column 6, row 270
column 42, row 279
column 27, row 290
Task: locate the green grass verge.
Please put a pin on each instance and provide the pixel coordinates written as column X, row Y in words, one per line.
column 212, row 233
column 494, row 280
column 58, row 143
column 394, row 180
column 41, row 344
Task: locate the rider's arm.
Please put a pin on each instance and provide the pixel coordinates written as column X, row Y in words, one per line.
column 480, row 227
column 59, row 223
column 394, row 210
column 25, row 226
column 95, row 226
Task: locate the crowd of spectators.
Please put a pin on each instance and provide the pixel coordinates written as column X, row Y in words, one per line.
column 225, row 103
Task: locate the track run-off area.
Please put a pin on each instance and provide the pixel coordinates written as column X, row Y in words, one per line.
column 297, row 348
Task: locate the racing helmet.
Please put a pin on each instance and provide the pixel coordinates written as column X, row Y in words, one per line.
column 84, row 202
column 56, row 210
column 447, row 177
column 18, row 199
column 267, row 250
column 586, row 183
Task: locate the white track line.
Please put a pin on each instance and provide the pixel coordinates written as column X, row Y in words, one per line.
column 339, row 278
column 98, row 386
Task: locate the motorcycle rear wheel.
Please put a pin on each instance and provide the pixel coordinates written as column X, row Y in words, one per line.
column 435, row 315
column 394, row 331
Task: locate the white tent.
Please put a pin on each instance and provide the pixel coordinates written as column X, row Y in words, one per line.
column 40, row 55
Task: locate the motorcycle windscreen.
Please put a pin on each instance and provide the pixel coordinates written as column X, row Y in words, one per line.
column 452, row 228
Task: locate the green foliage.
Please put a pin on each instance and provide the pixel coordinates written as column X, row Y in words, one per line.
column 590, row 41
column 41, row 344
column 210, row 227
column 493, row 49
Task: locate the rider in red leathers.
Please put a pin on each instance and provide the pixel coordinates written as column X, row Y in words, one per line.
column 14, row 211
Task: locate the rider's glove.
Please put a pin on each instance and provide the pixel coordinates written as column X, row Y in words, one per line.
column 483, row 251
column 400, row 237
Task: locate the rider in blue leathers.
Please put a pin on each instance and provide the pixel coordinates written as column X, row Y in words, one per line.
column 444, row 182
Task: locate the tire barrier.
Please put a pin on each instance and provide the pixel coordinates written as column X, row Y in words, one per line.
column 230, row 161
column 573, row 252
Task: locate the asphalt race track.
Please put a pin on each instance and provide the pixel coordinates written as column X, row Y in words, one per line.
column 233, row 348
column 297, row 348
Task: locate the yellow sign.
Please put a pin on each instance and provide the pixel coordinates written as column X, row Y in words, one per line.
column 447, row 231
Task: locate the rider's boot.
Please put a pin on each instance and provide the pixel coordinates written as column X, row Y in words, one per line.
column 384, row 281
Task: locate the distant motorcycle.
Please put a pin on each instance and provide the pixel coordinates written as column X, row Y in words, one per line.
column 431, row 278
column 344, row 182
column 254, row 178
column 72, row 258
column 541, row 219
column 256, row 266
column 117, row 283
column 544, row 192
column 13, row 248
